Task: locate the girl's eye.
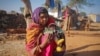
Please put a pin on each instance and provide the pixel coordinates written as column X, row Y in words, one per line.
column 43, row 16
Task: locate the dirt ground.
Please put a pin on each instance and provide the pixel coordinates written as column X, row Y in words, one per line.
column 80, row 43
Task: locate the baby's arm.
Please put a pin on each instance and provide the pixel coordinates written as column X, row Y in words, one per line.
column 45, row 42
column 49, row 36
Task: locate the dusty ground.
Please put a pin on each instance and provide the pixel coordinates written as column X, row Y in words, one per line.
column 12, row 48
column 84, row 43
column 80, row 43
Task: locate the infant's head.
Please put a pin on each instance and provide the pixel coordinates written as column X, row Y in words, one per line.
column 52, row 26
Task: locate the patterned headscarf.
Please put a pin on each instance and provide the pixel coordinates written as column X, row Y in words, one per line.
column 37, row 11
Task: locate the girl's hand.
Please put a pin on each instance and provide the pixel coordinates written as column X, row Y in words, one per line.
column 36, row 50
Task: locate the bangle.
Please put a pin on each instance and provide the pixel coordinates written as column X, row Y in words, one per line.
column 27, row 15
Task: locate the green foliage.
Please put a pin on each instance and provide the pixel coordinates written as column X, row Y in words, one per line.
column 83, row 13
column 79, row 3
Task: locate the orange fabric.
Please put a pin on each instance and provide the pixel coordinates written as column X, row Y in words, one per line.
column 32, row 31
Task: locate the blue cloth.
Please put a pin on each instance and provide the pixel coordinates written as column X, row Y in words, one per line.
column 52, row 4
column 59, row 10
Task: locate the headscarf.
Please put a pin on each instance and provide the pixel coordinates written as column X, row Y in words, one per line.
column 36, row 13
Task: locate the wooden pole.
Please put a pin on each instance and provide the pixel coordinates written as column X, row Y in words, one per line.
column 68, row 26
column 87, row 26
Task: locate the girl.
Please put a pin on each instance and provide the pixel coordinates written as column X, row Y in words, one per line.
column 36, row 41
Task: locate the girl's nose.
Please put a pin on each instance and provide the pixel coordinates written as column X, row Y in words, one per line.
column 44, row 18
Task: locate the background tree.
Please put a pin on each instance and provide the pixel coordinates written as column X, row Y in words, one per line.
column 79, row 4
column 82, row 13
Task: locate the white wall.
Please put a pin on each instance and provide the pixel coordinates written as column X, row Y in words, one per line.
column 55, row 14
column 98, row 18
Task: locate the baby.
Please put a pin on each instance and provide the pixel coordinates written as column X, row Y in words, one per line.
column 55, row 33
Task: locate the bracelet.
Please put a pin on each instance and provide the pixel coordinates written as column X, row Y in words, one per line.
column 27, row 15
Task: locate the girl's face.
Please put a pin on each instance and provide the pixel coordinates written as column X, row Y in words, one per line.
column 43, row 19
